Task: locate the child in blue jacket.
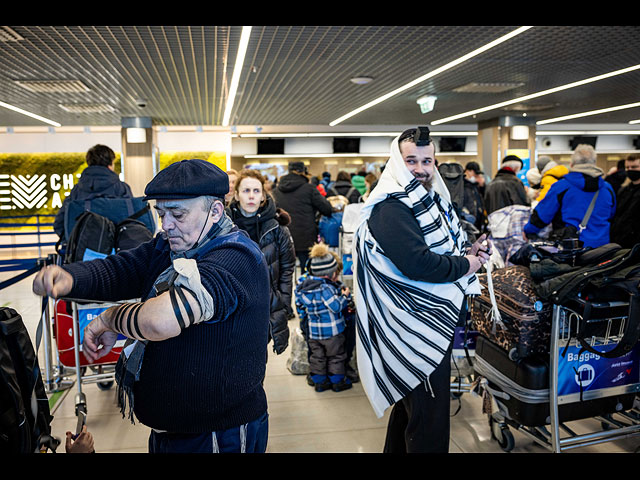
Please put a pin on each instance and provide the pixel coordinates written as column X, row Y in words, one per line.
column 321, row 301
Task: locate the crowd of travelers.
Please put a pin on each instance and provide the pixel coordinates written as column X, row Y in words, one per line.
column 239, row 256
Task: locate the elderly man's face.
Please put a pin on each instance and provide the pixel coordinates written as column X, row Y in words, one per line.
column 419, row 161
column 185, row 221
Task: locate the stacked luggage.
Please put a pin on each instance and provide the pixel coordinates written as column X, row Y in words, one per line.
column 558, row 343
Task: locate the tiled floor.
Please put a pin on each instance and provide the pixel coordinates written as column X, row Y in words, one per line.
column 301, row 420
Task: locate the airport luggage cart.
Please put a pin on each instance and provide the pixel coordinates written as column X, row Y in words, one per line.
column 575, row 381
column 71, row 317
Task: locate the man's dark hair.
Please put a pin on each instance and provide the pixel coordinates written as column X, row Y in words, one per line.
column 100, row 155
column 473, row 166
column 343, row 176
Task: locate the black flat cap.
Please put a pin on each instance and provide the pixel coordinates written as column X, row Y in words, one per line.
column 188, row 179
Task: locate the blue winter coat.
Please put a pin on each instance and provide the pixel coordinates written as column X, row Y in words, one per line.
column 567, row 202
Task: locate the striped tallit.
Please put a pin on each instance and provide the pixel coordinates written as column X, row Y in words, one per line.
column 404, row 327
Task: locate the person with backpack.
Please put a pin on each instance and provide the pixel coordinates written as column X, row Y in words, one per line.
column 344, row 187
column 99, row 179
column 194, row 372
column 579, row 205
column 254, row 211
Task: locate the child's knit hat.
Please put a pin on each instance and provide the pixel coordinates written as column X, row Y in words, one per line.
column 322, row 262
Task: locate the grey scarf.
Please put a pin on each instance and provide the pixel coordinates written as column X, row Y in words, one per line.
column 130, row 362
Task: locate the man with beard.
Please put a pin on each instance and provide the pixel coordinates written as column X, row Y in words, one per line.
column 414, row 268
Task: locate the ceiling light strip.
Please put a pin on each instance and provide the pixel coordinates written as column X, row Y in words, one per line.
column 544, row 133
column 433, row 73
column 350, row 134
column 538, row 94
column 29, row 114
column 586, row 114
column 237, row 70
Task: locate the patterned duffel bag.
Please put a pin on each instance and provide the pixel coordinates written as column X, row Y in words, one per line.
column 523, row 326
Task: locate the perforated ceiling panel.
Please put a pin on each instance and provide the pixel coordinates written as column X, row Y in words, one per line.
column 301, row 74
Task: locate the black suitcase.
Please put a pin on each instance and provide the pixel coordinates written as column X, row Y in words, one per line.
column 522, row 388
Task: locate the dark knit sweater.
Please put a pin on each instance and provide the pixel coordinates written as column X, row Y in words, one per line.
column 209, row 377
column 395, row 228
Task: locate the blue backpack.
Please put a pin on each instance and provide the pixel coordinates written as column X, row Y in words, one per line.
column 329, row 228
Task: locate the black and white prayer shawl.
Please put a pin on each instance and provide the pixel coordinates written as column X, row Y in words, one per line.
column 404, row 327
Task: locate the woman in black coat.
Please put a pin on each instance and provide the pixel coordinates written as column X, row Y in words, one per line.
column 254, row 211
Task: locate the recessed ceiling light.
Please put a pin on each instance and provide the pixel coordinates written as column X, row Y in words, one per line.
column 475, row 87
column 361, row 80
column 87, row 108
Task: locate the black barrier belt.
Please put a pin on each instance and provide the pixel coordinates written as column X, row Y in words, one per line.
column 17, row 278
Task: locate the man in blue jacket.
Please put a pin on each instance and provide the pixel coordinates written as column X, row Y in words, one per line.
column 196, row 366
column 568, row 200
column 97, row 180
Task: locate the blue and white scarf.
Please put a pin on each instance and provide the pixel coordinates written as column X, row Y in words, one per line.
column 404, row 327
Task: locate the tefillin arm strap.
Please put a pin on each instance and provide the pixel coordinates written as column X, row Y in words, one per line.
column 126, row 320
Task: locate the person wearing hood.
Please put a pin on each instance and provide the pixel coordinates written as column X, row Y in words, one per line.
column 302, row 201
column 568, row 200
column 506, row 188
column 97, row 180
column 343, row 186
column 625, row 228
column 254, row 211
column 358, row 181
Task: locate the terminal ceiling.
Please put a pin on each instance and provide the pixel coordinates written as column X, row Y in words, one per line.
column 301, row 75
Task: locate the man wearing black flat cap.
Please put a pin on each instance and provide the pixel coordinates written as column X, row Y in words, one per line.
column 194, row 369
column 506, row 188
column 302, row 200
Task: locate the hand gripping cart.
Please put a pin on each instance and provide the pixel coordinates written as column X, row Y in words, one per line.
column 570, row 384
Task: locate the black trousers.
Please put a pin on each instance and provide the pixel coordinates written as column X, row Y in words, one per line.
column 420, row 422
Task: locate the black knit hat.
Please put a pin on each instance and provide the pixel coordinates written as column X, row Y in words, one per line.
column 188, row 179
column 323, row 266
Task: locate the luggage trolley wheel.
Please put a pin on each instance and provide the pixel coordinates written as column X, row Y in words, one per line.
column 501, row 433
column 102, row 385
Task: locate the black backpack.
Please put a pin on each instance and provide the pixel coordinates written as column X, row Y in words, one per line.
column 25, row 418
column 130, row 233
column 93, row 236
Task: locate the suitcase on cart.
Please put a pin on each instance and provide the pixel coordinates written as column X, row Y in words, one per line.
column 525, row 325
column 521, row 387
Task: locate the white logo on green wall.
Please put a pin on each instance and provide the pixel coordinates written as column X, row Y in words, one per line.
column 30, row 191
